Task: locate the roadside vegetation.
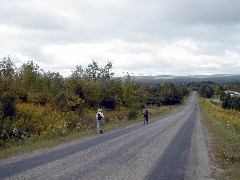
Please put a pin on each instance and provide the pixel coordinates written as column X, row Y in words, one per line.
column 38, row 142
column 224, row 127
column 40, row 109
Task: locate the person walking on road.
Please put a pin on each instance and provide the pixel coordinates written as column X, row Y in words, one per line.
column 100, row 119
column 145, row 115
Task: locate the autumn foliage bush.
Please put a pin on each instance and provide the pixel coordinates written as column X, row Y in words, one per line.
column 40, row 120
column 34, row 120
column 230, row 116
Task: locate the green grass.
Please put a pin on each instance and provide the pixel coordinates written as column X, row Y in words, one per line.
column 225, row 146
column 37, row 143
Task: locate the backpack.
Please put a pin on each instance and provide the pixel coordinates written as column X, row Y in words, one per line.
column 99, row 117
column 145, row 112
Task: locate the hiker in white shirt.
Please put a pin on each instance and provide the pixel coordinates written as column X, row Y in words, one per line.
column 100, row 119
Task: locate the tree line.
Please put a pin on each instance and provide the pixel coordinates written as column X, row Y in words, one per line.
column 228, row 100
column 34, row 102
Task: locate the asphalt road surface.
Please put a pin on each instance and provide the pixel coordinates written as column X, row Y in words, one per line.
column 171, row 147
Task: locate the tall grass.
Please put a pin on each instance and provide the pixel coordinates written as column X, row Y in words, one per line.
column 224, row 126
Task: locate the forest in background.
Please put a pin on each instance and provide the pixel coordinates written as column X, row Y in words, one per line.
column 34, row 103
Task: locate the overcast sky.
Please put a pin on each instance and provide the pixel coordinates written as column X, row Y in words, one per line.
column 141, row 37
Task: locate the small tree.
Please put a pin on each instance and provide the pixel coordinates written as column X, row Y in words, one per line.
column 206, row 91
column 129, row 93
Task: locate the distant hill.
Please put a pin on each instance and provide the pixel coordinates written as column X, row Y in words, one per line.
column 216, row 78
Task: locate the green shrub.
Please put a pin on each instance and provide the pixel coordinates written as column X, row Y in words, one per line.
column 23, row 97
column 132, row 114
column 73, row 120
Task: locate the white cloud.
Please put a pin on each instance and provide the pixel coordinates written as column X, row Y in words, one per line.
column 176, row 57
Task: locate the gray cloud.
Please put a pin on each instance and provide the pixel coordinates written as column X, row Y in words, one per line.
column 20, row 14
column 173, row 36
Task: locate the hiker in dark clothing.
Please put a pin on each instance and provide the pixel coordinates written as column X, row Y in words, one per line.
column 145, row 115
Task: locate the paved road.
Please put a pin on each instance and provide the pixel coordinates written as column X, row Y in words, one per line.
column 171, row 147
